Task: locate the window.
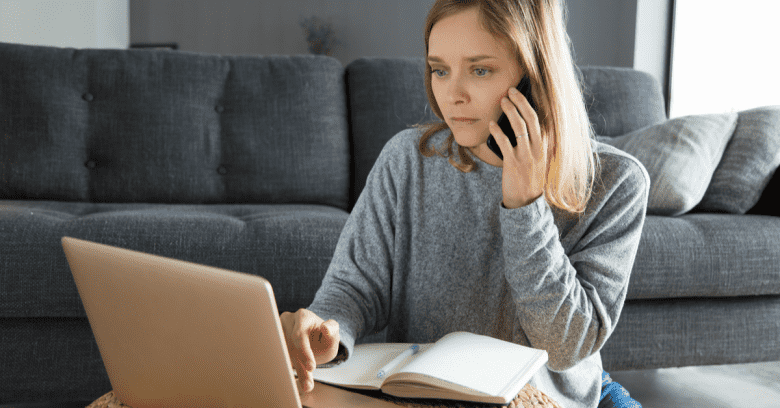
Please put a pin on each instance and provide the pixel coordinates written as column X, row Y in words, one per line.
column 724, row 56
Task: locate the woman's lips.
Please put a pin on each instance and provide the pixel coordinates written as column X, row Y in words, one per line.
column 465, row 121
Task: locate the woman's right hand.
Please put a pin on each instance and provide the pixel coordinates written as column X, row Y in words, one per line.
column 310, row 342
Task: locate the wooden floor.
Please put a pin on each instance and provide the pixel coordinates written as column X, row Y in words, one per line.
column 755, row 385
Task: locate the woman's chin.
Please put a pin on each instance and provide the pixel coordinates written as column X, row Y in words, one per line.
column 469, row 139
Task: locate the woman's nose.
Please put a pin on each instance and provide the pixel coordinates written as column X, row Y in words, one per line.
column 456, row 92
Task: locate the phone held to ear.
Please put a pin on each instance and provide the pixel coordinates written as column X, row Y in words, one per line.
column 503, row 122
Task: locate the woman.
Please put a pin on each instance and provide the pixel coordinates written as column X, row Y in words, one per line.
column 535, row 248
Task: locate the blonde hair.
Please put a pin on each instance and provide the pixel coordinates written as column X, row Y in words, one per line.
column 535, row 29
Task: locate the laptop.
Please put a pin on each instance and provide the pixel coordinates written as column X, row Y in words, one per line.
column 179, row 334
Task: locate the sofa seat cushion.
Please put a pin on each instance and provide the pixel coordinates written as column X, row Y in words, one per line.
column 707, row 255
column 290, row 245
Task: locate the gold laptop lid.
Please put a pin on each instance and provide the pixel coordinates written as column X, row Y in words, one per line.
column 178, row 334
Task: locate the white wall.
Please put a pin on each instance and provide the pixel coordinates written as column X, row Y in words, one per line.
column 76, row 24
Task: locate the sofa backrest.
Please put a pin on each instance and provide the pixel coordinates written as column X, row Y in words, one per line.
column 387, row 95
column 621, row 100
column 161, row 126
column 172, row 127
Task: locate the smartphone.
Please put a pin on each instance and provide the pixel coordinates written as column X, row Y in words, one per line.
column 503, row 122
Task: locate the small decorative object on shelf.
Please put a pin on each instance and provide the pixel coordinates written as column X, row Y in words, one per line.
column 319, row 35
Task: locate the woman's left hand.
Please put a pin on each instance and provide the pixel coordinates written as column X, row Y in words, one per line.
column 525, row 165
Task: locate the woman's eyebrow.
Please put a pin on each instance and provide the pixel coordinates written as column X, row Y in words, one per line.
column 433, row 58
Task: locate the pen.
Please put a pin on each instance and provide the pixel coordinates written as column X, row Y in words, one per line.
column 391, row 365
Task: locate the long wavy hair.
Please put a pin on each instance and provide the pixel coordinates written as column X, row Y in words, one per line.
column 535, row 29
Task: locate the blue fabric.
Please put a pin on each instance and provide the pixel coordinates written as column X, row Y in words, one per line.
column 614, row 395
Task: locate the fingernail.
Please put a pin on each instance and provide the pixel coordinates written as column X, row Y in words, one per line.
column 514, row 91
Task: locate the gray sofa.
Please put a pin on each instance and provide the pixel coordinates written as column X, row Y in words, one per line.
column 252, row 163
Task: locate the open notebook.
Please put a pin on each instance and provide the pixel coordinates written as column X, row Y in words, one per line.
column 459, row 366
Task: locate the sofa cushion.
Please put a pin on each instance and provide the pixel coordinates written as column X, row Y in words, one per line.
column 707, row 255
column 621, row 100
column 290, row 245
column 172, row 127
column 692, row 332
column 680, row 156
column 751, row 158
column 386, row 96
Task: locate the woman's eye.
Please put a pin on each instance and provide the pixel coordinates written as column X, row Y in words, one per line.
column 484, row 71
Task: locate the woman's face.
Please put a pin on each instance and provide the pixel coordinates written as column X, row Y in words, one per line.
column 470, row 89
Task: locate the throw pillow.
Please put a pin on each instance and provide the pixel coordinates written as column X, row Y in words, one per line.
column 750, row 160
column 680, row 156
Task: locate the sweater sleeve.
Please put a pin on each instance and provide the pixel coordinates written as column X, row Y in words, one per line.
column 569, row 304
column 356, row 288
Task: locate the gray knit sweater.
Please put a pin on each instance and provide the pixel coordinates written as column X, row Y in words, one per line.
column 429, row 250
